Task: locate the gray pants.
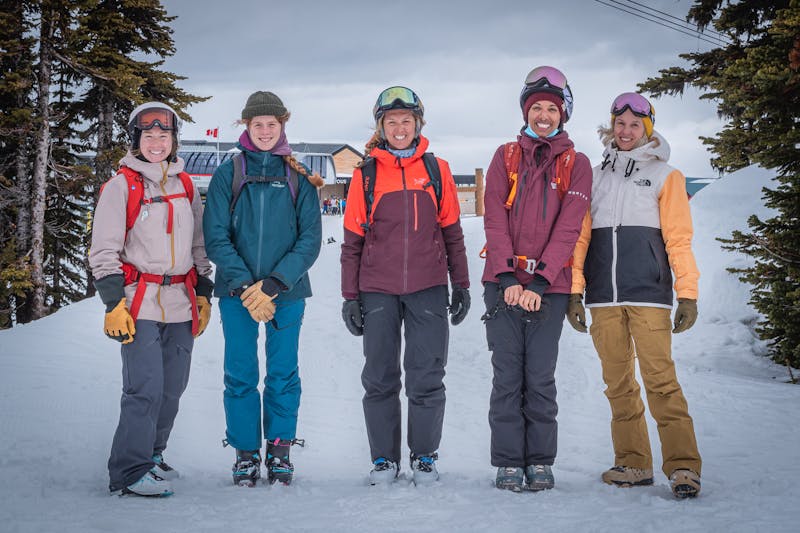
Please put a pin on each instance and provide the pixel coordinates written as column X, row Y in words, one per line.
column 522, row 407
column 155, row 371
column 424, row 317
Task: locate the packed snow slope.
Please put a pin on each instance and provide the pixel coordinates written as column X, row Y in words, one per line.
column 60, row 386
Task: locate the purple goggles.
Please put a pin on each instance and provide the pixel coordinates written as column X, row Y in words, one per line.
column 637, row 104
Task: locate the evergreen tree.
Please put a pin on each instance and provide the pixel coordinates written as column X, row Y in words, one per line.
column 109, row 35
column 755, row 82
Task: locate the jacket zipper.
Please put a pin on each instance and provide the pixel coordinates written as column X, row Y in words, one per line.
column 405, row 228
column 415, row 213
column 261, row 217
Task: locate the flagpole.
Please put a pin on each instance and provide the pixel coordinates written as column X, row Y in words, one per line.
column 216, row 130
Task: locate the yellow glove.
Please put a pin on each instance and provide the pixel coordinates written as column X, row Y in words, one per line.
column 258, row 303
column 119, row 324
column 203, row 314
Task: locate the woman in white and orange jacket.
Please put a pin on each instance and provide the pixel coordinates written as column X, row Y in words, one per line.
column 637, row 235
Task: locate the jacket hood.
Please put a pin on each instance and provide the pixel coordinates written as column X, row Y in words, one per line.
column 152, row 171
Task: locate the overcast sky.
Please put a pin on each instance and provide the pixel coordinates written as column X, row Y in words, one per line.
column 466, row 60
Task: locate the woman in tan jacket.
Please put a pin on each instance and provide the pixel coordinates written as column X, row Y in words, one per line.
column 151, row 271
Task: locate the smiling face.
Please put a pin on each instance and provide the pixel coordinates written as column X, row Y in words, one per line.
column 155, row 144
column 264, row 130
column 543, row 117
column 400, row 128
column 628, row 130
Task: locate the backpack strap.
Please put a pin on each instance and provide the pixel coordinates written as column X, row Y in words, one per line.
column 368, row 170
column 564, row 163
column 135, row 195
column 512, row 153
column 240, row 179
column 435, row 176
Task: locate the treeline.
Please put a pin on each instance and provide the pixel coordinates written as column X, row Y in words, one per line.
column 71, row 74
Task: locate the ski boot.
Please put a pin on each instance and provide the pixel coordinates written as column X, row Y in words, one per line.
column 247, row 468
column 510, row 478
column 162, row 469
column 423, row 469
column 383, row 472
column 150, row 485
column 279, row 468
column 539, row 477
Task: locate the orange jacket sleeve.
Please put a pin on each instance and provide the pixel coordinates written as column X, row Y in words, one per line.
column 676, row 229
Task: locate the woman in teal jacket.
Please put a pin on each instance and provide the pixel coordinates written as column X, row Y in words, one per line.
column 263, row 231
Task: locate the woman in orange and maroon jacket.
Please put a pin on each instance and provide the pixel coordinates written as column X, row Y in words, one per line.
column 397, row 252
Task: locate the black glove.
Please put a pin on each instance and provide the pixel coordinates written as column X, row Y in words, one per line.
column 353, row 317
column 459, row 305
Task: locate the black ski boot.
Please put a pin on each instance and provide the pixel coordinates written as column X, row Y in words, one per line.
column 279, row 468
column 247, row 468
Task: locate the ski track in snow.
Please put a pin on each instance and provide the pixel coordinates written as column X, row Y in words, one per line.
column 60, row 385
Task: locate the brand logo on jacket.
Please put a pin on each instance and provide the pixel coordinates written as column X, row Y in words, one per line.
column 643, row 182
column 278, row 184
column 420, row 182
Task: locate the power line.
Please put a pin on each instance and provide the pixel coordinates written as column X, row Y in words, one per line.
column 683, row 22
column 683, row 30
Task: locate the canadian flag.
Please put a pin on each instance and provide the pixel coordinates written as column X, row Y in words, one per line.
column 212, row 133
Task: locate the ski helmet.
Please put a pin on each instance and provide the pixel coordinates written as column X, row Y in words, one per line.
column 549, row 80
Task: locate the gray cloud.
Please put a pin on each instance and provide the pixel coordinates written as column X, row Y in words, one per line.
column 466, row 60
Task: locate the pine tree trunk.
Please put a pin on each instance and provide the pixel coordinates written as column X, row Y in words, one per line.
column 39, row 185
column 22, row 305
column 103, row 164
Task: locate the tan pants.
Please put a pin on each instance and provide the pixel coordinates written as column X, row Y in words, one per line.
column 620, row 334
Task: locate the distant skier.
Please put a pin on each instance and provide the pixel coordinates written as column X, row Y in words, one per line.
column 640, row 230
column 150, row 269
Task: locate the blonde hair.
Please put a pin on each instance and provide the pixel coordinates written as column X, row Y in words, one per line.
column 315, row 179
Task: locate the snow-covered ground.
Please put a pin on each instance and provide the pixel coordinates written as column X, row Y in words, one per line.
column 59, row 402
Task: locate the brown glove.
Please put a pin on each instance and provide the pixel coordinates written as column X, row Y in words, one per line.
column 576, row 314
column 258, row 303
column 119, row 324
column 203, row 314
column 685, row 314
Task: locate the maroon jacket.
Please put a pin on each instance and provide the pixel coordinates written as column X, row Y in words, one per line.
column 539, row 225
column 410, row 245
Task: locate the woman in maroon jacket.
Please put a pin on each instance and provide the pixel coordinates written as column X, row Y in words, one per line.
column 401, row 239
column 531, row 230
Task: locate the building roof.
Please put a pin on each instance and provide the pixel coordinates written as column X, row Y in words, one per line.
column 188, row 145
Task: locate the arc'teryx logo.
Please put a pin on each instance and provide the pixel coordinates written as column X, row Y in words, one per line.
column 643, row 182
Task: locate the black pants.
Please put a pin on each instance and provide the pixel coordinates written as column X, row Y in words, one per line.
column 522, row 407
column 424, row 317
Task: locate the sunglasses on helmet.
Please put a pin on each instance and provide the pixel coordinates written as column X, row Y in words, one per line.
column 637, row 104
column 150, row 118
column 397, row 98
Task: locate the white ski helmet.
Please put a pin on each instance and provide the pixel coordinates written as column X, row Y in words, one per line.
column 150, row 115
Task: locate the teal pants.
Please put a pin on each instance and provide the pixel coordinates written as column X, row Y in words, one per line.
column 281, row 397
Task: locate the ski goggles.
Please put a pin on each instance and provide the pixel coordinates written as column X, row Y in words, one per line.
column 546, row 77
column 397, row 98
column 637, row 104
column 149, row 118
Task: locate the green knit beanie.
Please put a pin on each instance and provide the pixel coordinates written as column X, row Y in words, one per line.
column 263, row 103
